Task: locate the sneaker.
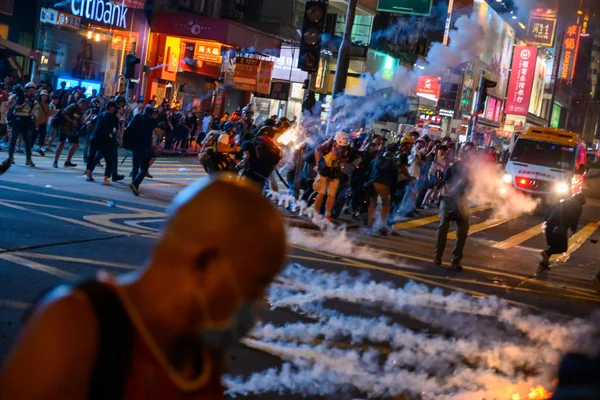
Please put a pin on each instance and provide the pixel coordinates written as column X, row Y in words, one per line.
column 29, row 163
column 437, row 262
column 134, row 189
column 456, row 266
column 118, row 178
column 69, row 164
column 148, row 175
column 87, row 178
column 55, row 164
column 41, row 152
column 106, row 182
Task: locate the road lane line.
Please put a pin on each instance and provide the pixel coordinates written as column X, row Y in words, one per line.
column 38, row 267
column 27, row 203
column 42, row 256
column 490, row 223
column 105, row 220
column 577, row 240
column 519, row 238
column 18, row 305
column 429, row 220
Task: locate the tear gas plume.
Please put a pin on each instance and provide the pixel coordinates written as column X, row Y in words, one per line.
column 508, row 354
column 487, row 187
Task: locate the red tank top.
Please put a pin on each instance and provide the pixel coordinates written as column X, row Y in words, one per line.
column 151, row 377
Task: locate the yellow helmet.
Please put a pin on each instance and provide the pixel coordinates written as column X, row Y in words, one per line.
column 407, row 140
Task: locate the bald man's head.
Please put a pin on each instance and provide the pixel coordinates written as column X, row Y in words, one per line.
column 227, row 238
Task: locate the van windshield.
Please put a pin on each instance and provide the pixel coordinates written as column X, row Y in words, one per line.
column 544, row 154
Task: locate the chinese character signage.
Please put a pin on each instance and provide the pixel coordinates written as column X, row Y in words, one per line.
column 285, row 67
column 411, row 7
column 570, row 48
column 521, row 80
column 252, row 75
column 208, row 51
column 68, row 20
column 585, row 26
column 265, row 71
column 429, row 87
column 123, row 40
column 541, row 31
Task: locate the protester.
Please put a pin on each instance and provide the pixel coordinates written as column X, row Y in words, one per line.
column 41, row 114
column 165, row 329
column 23, row 124
column 563, row 216
column 328, row 157
column 382, row 182
column 102, row 140
column 143, row 128
column 71, row 119
column 260, row 157
column 415, row 161
column 406, row 144
column 454, row 207
column 436, row 173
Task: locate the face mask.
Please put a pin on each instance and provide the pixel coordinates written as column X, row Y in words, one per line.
column 241, row 322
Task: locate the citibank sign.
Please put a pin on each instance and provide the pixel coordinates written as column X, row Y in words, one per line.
column 103, row 11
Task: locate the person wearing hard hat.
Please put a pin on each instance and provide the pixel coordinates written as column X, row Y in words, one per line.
column 329, row 157
column 22, row 123
column 163, row 331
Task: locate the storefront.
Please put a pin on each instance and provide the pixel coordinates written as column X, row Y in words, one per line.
column 210, row 63
column 85, row 43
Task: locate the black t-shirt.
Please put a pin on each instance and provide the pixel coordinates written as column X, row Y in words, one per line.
column 456, row 181
column 145, row 132
column 255, row 168
column 105, row 126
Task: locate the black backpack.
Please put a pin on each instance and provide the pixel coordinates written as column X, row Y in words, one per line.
column 267, row 151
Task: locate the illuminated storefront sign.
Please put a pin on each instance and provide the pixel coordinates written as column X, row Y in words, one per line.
column 429, row 87
column 521, row 80
column 585, row 26
column 541, row 31
column 124, row 40
column 208, row 51
column 555, row 119
column 102, row 11
column 444, row 112
column 570, row 48
column 252, row 75
column 411, row 7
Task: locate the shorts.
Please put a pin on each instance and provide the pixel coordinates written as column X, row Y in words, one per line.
column 327, row 186
column 3, row 130
column 72, row 139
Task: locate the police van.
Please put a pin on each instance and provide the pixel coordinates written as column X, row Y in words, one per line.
column 547, row 163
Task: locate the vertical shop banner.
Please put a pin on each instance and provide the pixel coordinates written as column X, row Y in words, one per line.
column 245, row 74
column 170, row 61
column 265, row 71
column 429, row 87
column 585, row 26
column 541, row 31
column 521, row 80
column 570, row 49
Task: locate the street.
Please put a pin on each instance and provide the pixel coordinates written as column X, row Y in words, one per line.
column 353, row 316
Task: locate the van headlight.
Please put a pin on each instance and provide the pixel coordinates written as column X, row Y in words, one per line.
column 507, row 178
column 562, row 188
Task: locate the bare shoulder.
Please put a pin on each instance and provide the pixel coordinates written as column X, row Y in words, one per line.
column 55, row 352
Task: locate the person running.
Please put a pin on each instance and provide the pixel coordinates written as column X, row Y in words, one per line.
column 328, row 157
column 22, row 124
column 102, row 139
column 71, row 118
column 563, row 216
column 162, row 331
column 454, row 207
column 143, row 128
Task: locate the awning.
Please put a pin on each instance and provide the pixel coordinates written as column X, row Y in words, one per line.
column 219, row 30
column 11, row 49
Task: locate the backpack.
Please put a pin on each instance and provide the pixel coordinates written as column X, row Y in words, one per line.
column 267, row 151
column 210, row 141
column 129, row 135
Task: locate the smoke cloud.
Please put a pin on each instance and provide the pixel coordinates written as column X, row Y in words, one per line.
column 474, row 348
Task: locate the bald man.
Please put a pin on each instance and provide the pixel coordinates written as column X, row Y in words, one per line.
column 160, row 332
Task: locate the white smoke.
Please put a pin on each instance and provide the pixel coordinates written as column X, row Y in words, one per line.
column 477, row 347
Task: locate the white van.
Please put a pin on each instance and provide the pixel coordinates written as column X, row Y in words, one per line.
column 547, row 163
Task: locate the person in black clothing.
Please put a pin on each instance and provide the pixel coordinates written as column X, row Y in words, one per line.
column 403, row 176
column 561, row 217
column 144, row 126
column 383, row 174
column 251, row 165
column 171, row 128
column 102, row 140
column 22, row 124
column 454, row 207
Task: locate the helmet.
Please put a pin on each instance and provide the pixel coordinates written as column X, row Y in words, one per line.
column 407, row 140
column 229, row 126
column 30, row 85
column 341, row 139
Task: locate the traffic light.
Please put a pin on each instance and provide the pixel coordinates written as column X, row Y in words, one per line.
column 315, row 14
column 484, row 85
column 130, row 62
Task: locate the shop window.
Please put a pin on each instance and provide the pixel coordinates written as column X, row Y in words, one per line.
column 4, row 31
column 361, row 31
column 7, row 7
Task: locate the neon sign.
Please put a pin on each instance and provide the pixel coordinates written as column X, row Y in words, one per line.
column 101, row 11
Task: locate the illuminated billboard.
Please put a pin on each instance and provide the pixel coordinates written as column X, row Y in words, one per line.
column 570, row 48
column 521, row 80
column 429, row 87
column 411, row 7
column 541, row 31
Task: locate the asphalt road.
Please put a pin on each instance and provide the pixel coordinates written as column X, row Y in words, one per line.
column 346, row 309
